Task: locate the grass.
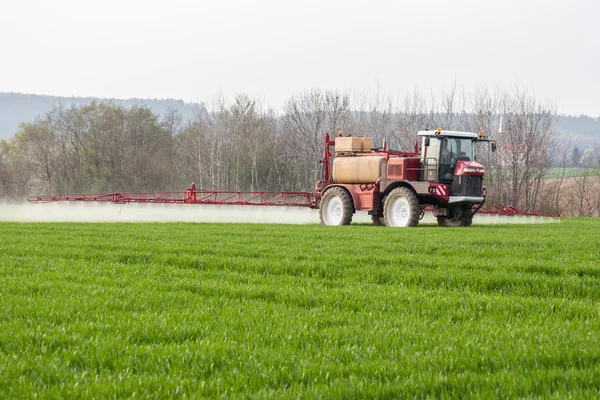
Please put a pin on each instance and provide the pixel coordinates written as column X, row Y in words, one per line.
column 571, row 172
column 272, row 311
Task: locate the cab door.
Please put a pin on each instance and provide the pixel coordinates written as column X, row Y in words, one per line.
column 430, row 157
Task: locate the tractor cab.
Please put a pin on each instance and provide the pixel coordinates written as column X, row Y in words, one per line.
column 442, row 151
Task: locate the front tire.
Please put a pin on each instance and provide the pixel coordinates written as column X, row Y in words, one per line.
column 377, row 220
column 401, row 208
column 461, row 216
column 336, row 207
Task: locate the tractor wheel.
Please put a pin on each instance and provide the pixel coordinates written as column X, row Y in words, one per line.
column 459, row 216
column 336, row 207
column 449, row 222
column 401, row 208
column 377, row 220
column 467, row 221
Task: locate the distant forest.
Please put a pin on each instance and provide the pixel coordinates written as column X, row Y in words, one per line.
column 18, row 107
column 581, row 131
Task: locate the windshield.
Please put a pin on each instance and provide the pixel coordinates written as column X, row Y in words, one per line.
column 460, row 148
column 443, row 153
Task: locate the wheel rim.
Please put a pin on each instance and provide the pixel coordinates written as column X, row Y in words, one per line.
column 398, row 213
column 334, row 211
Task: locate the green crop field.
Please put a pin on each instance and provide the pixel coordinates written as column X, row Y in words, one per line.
column 571, row 172
column 171, row 310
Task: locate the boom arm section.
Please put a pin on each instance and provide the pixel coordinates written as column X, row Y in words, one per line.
column 193, row 196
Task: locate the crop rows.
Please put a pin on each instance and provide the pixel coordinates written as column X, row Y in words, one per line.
column 226, row 310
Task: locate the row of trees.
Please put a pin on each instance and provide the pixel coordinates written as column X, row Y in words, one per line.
column 98, row 147
column 243, row 145
column 588, row 158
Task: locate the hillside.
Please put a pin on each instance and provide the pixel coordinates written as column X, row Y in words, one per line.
column 581, row 130
column 18, row 107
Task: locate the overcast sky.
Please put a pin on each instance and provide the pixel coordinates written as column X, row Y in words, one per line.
column 272, row 49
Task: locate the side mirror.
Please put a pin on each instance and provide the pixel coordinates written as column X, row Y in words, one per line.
column 427, row 141
column 493, row 147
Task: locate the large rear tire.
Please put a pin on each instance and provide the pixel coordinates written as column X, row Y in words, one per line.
column 401, row 208
column 336, row 207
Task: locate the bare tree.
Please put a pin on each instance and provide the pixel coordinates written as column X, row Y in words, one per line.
column 582, row 197
column 39, row 146
column 15, row 172
column 412, row 116
column 589, row 158
column 373, row 115
column 307, row 118
column 527, row 145
column 253, row 130
column 172, row 123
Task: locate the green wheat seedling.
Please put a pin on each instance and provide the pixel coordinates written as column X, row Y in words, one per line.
column 273, row 311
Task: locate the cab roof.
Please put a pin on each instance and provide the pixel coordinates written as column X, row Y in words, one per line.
column 449, row 133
